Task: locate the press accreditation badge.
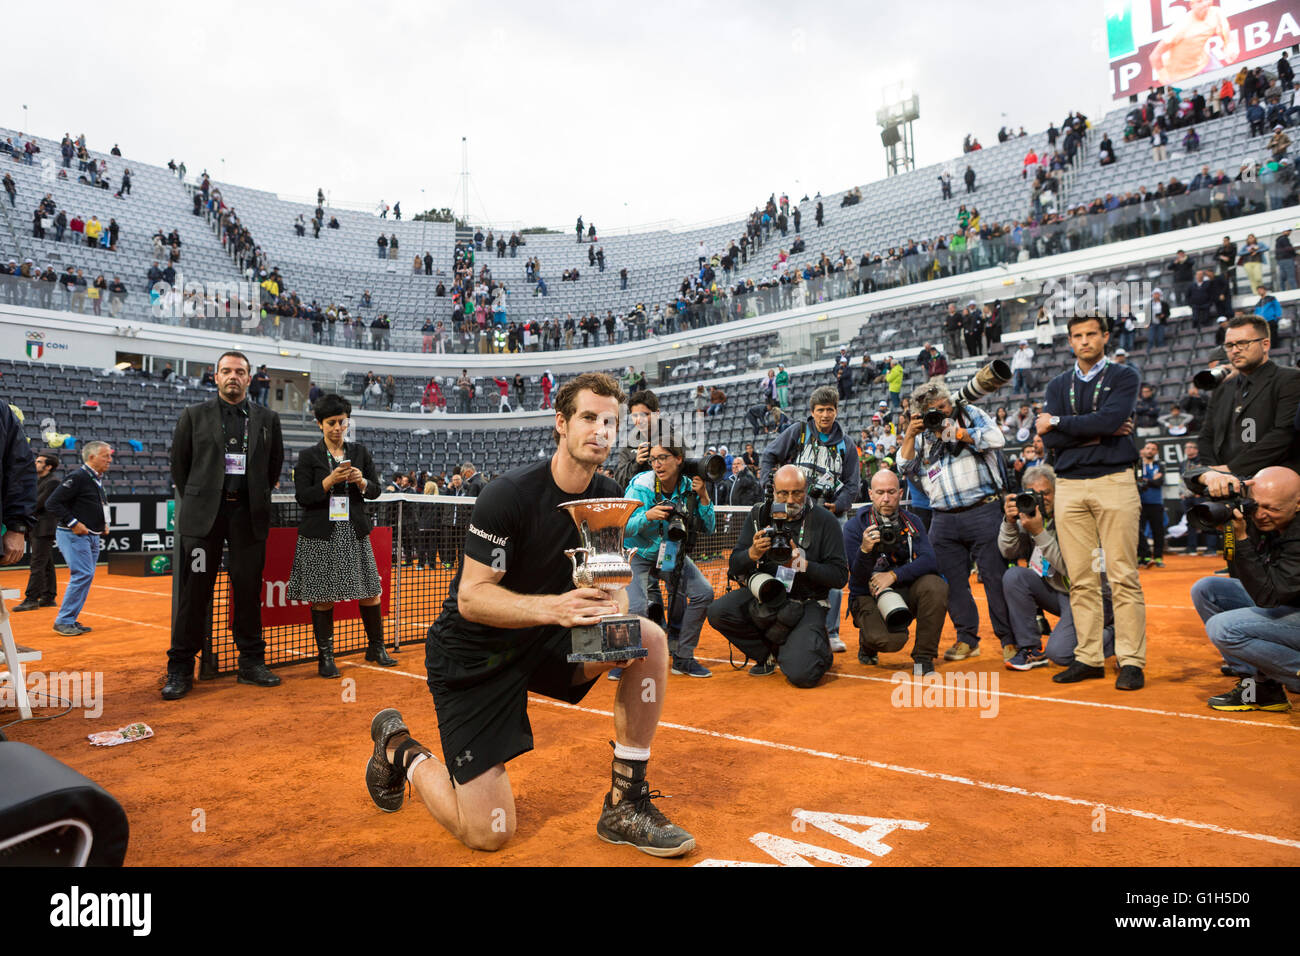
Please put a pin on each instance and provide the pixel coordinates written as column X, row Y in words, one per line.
column 785, row 576
column 236, row 464
column 338, row 507
column 667, row 559
column 1038, row 564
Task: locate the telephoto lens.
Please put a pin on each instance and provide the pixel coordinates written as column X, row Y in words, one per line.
column 893, row 609
column 1208, row 379
column 767, row 590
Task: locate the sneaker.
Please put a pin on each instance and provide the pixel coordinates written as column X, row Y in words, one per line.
column 70, row 630
column 1077, row 672
column 869, row 659
column 690, row 668
column 767, row 667
column 921, row 668
column 1159, row 562
column 1026, row 659
column 386, row 782
column 1144, row 562
column 82, row 628
column 1009, row 651
column 961, row 651
column 638, row 822
column 614, row 674
column 837, row 645
column 1251, row 694
column 25, row 606
column 1130, row 678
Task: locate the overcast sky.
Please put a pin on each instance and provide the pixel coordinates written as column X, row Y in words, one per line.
column 626, row 113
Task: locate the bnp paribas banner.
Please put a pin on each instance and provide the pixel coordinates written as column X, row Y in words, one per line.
column 1172, row 42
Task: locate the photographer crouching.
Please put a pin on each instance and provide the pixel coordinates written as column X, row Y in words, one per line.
column 1253, row 618
column 675, row 499
column 893, row 578
column 1028, row 534
column 790, row 557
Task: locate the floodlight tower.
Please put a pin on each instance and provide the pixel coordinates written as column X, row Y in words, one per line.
column 900, row 106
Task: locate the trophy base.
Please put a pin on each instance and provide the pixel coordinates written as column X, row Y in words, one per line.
column 615, row 638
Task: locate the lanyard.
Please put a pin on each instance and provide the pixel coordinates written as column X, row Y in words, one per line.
column 246, row 416
column 99, row 483
column 1074, row 410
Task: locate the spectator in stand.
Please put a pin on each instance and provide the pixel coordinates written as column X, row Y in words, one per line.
column 1183, row 267
column 717, row 401
column 1106, row 150
column 969, row 177
column 1279, row 143
column 1251, row 261
column 382, row 243
column 503, row 387
column 1176, row 423
column 1022, row 369
column 1157, row 318
column 1147, row 414
column 1270, row 310
column 1284, row 261
column 1200, row 296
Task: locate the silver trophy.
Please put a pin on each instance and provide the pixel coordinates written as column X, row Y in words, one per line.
column 605, row 565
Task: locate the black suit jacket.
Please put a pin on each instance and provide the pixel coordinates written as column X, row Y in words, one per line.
column 199, row 466
column 46, row 523
column 313, row 465
column 1271, row 406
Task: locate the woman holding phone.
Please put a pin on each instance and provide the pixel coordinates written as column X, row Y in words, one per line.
column 333, row 560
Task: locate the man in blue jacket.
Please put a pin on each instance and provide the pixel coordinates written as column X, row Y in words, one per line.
column 1270, row 310
column 666, row 493
column 1087, row 422
column 830, row 462
column 893, row 555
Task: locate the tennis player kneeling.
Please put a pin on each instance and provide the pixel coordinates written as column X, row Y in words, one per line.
column 504, row 632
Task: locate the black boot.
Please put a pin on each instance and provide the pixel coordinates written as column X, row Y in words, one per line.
column 322, row 624
column 374, row 622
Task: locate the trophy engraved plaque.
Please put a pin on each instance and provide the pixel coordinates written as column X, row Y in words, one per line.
column 605, row 565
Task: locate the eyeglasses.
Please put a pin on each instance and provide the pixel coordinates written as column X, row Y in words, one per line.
column 1233, row 346
column 660, row 459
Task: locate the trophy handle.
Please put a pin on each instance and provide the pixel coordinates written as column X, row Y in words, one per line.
column 573, row 553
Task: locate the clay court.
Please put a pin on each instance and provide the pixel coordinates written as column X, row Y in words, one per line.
column 1058, row 775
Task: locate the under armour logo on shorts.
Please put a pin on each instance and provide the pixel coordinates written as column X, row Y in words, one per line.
column 464, row 758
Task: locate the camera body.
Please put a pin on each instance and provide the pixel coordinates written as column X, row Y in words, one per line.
column 823, row 487
column 890, row 528
column 1211, row 514
column 933, row 419
column 782, row 549
column 677, row 521
column 1030, row 503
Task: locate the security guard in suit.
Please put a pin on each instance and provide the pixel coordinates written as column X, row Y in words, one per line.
column 42, row 587
column 226, row 458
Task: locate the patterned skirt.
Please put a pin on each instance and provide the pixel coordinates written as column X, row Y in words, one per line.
column 339, row 568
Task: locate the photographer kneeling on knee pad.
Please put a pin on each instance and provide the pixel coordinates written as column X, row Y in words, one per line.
column 1028, row 533
column 893, row 578
column 790, row 556
column 1253, row 618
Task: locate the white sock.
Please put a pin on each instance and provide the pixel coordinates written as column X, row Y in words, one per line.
column 624, row 752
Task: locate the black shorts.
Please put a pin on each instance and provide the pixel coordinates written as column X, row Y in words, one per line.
column 483, row 711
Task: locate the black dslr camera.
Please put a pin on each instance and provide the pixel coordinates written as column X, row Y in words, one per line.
column 890, row 527
column 1211, row 514
column 823, row 487
column 782, row 549
column 1029, row 503
column 677, row 522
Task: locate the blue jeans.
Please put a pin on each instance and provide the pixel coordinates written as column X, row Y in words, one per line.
column 835, row 597
column 1255, row 641
column 1157, row 338
column 699, row 594
column 80, row 551
column 1022, row 381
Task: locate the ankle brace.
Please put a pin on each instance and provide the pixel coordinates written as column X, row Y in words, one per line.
column 406, row 752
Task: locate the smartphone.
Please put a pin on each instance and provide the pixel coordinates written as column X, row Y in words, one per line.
column 346, row 463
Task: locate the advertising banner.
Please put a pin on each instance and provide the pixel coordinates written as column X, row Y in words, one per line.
column 1172, row 42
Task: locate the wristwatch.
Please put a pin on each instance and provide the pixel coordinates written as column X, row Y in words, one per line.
column 1056, row 420
column 18, row 527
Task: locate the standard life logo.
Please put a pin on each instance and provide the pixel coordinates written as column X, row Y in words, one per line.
column 77, row 909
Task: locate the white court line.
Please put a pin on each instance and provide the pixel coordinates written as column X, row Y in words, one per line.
column 1067, row 700
column 123, row 620
column 109, row 587
column 912, row 771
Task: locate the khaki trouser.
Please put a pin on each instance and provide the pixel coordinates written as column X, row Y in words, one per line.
column 1092, row 511
column 1255, row 272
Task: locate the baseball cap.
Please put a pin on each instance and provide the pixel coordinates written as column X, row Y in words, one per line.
column 1121, row 351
